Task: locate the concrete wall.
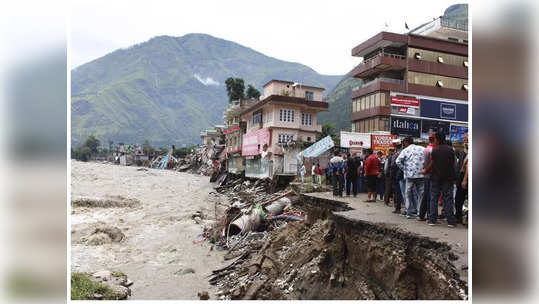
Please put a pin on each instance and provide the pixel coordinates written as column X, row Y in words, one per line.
column 279, row 88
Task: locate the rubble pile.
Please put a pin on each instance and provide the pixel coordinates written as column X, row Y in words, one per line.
column 201, row 161
column 331, row 257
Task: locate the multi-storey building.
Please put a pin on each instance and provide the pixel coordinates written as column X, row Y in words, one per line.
column 413, row 82
column 278, row 127
column 234, row 130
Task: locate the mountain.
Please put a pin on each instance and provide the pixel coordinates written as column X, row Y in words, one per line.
column 340, row 104
column 169, row 89
column 339, row 97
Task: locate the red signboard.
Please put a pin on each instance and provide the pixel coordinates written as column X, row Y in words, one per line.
column 405, row 101
column 231, row 129
column 382, row 142
column 253, row 142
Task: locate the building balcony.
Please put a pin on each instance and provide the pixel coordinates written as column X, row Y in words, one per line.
column 380, row 63
column 379, row 41
column 426, row 90
column 436, row 68
column 379, row 84
column 376, row 111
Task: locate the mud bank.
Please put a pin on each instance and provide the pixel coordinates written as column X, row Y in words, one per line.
column 328, row 256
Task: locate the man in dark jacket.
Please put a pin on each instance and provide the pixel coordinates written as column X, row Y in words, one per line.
column 387, row 178
column 442, row 174
column 396, row 175
column 352, row 164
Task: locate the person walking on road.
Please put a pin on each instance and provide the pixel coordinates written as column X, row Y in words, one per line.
column 411, row 161
column 336, row 167
column 313, row 174
column 371, row 172
column 442, row 169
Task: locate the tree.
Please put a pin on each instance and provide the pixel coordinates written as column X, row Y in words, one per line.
column 327, row 129
column 147, row 148
column 252, row 92
column 235, row 88
column 92, row 143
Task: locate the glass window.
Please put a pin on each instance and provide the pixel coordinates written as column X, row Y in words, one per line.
column 377, row 101
column 309, row 95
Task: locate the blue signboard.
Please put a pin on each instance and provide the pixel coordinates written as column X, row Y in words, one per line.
column 444, row 110
column 457, row 132
column 317, row 148
column 405, row 126
column 428, row 125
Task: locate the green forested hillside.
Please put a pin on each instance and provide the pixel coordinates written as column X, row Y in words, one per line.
column 168, row 89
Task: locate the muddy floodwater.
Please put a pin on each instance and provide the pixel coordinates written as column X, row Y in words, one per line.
column 159, row 246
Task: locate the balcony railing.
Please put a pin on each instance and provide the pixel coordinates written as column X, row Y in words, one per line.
column 382, row 54
column 384, row 79
column 462, row 26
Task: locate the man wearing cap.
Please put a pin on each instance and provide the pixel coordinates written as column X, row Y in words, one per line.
column 411, row 161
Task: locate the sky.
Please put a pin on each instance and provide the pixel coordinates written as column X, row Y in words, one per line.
column 319, row 34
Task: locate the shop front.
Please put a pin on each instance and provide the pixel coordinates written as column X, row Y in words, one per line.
column 254, row 149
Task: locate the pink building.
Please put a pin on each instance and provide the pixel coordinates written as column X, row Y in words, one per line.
column 286, row 120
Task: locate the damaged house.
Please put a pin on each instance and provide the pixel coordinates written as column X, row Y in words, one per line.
column 280, row 126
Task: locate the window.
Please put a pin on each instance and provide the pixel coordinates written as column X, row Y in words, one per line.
column 309, row 95
column 453, row 39
column 284, row 138
column 286, row 115
column 417, row 56
column 308, row 138
column 306, row 119
column 257, row 117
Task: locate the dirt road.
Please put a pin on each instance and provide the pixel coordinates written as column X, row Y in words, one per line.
column 158, row 253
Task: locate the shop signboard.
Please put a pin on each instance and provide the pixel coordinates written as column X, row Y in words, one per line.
column 405, row 126
column 253, row 142
column 405, row 105
column 355, row 140
column 231, row 129
column 317, row 148
column 444, row 110
column 411, row 111
column 404, row 101
column 457, row 132
column 435, row 126
column 382, row 142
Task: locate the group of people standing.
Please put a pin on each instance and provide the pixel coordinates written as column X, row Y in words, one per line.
column 351, row 173
column 423, row 178
column 420, row 178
